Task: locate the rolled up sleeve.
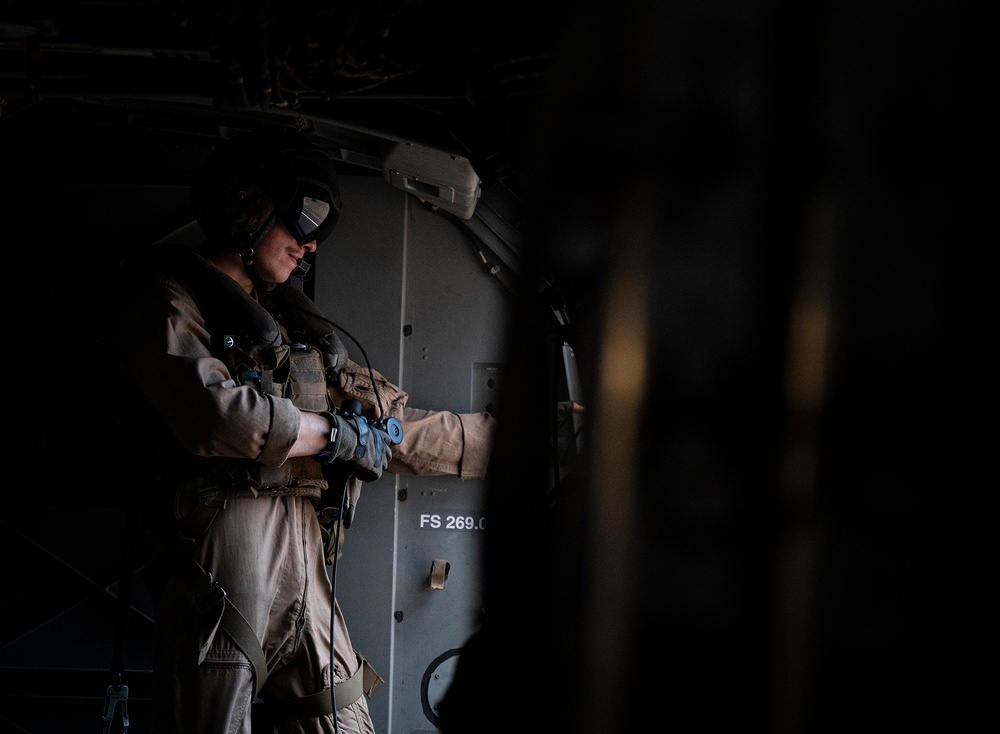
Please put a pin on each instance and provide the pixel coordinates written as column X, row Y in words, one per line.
column 443, row 443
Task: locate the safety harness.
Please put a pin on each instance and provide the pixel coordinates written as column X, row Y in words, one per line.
column 207, row 595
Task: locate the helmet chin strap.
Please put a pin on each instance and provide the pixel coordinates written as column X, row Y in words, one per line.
column 250, row 266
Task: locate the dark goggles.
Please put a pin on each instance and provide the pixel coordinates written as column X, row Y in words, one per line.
column 311, row 213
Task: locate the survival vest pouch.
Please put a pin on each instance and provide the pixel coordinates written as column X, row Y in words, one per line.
column 306, row 385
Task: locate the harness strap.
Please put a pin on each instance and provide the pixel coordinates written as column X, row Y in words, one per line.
column 207, row 594
column 237, row 627
column 364, row 681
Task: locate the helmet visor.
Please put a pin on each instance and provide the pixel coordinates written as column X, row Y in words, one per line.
column 314, row 213
column 311, row 213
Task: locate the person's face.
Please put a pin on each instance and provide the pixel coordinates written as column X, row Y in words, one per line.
column 278, row 254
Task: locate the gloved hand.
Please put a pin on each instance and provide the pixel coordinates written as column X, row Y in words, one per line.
column 357, row 441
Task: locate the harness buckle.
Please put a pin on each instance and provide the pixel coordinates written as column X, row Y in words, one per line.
column 210, row 597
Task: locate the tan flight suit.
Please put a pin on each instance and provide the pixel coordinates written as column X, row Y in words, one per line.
column 259, row 538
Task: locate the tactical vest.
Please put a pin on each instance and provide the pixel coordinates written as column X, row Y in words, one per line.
column 281, row 346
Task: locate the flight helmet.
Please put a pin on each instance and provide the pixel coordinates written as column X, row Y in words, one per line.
column 255, row 178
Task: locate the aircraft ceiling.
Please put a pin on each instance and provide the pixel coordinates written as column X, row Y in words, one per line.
column 452, row 76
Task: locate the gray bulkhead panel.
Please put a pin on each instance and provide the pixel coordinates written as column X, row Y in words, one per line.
column 434, row 322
